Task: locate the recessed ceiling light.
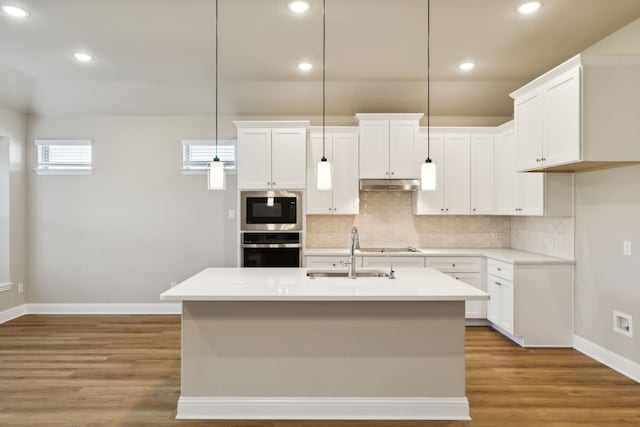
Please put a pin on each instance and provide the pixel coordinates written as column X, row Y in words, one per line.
column 83, row 57
column 305, row 66
column 299, row 6
column 15, row 11
column 529, row 7
column 466, row 66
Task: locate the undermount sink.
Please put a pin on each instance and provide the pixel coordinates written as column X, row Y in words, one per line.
column 382, row 250
column 312, row 274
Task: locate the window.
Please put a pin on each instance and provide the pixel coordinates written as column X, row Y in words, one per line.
column 64, row 156
column 196, row 154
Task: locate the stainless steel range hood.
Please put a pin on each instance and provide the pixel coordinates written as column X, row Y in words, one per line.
column 389, row 184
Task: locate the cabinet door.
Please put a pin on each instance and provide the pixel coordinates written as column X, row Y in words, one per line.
column 507, row 181
column 318, row 202
column 528, row 118
column 473, row 309
column 457, row 179
column 562, row 103
column 493, row 305
column 254, row 158
column 432, row 202
column 402, row 142
column 374, row 149
column 346, row 192
column 507, row 306
column 532, row 194
column 288, row 158
column 482, row 158
column 387, row 261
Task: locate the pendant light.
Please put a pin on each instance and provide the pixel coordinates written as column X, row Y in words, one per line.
column 428, row 172
column 324, row 175
column 217, row 178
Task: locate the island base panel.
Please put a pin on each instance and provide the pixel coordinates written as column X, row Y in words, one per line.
column 323, row 359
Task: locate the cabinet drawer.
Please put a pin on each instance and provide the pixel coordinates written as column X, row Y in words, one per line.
column 500, row 269
column 397, row 261
column 455, row 264
column 328, row 262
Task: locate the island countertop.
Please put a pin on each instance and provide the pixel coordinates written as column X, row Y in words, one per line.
column 292, row 284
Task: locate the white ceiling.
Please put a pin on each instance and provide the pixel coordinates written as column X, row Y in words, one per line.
column 157, row 56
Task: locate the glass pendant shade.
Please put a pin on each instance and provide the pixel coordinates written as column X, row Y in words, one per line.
column 428, row 176
column 324, row 178
column 217, row 178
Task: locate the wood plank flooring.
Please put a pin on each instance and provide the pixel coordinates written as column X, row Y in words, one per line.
column 125, row 371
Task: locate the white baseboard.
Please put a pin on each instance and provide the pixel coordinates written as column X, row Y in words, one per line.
column 477, row 322
column 613, row 360
column 515, row 339
column 12, row 313
column 327, row 408
column 116, row 308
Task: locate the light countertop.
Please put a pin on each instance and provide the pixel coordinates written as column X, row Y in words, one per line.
column 291, row 284
column 507, row 255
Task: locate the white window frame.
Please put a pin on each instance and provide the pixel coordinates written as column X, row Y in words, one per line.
column 69, row 169
column 197, row 168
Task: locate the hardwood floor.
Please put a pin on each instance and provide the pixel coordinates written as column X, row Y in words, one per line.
column 125, row 371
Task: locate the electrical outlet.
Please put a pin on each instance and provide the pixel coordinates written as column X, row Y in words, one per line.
column 20, row 288
column 623, row 323
column 172, row 284
column 231, row 214
column 626, row 247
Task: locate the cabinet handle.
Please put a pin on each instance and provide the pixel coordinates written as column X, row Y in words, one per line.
column 537, row 160
column 499, row 269
column 498, row 283
column 386, row 173
column 392, row 173
column 273, row 183
column 447, row 209
column 441, row 209
column 329, row 208
column 474, row 209
column 335, row 209
column 543, row 159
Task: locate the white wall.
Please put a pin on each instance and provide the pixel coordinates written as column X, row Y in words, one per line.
column 13, row 128
column 607, row 212
column 136, row 224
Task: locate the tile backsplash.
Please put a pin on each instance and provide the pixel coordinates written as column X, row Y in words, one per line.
column 385, row 220
column 552, row 236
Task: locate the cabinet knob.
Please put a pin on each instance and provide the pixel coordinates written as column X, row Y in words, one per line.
column 386, row 173
column 453, row 265
column 474, row 209
column 273, row 183
column 447, row 209
column 335, row 209
column 499, row 269
column 543, row 159
column 392, row 173
column 441, row 209
column 537, row 160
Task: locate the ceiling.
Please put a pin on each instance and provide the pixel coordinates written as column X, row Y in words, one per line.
column 158, row 56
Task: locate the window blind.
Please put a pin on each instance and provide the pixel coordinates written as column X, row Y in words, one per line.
column 196, row 155
column 64, row 155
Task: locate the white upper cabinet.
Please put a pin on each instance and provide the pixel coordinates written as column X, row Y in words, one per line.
column 451, row 154
column 387, row 145
column 577, row 116
column 341, row 149
column 531, row 194
column 272, row 155
column 482, row 159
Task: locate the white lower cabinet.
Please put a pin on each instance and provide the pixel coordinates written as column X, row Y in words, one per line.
column 532, row 303
column 468, row 270
column 500, row 308
column 396, row 261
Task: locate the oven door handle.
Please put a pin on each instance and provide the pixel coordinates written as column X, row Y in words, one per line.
column 272, row 245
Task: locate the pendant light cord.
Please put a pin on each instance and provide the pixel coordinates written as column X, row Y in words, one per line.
column 428, row 81
column 324, row 43
column 216, row 158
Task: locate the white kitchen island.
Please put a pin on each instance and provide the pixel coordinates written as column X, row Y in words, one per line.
column 272, row 343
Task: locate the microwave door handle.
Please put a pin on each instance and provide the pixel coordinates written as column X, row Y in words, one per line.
column 271, row 245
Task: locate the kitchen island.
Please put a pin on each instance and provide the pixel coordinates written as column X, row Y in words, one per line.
column 272, row 343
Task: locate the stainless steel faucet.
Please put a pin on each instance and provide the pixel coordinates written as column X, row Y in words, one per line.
column 354, row 243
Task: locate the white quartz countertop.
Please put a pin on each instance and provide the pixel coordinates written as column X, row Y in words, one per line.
column 292, row 284
column 507, row 255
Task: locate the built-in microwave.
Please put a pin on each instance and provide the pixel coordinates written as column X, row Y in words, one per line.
column 271, row 210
